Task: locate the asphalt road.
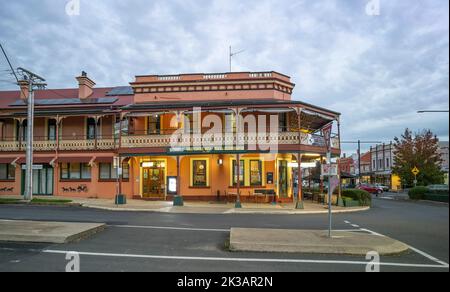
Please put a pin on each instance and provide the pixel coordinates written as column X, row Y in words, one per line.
column 142, row 241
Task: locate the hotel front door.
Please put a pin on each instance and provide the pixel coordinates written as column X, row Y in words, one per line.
column 283, row 183
column 153, row 182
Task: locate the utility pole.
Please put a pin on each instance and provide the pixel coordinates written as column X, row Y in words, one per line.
column 33, row 82
column 359, row 142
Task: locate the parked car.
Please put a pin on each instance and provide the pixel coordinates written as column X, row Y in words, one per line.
column 349, row 186
column 370, row 188
column 382, row 187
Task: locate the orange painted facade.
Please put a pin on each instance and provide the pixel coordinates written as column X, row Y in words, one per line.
column 78, row 133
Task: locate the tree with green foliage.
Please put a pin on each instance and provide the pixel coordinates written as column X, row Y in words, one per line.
column 419, row 150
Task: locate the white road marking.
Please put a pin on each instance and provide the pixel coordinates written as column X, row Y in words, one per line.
column 430, row 257
column 347, row 222
column 424, row 254
column 387, row 198
column 256, row 260
column 372, row 232
column 170, row 228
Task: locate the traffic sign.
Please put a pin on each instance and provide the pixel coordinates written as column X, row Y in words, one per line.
column 415, row 170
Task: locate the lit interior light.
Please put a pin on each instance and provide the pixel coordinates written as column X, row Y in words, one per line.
column 147, row 164
column 304, row 164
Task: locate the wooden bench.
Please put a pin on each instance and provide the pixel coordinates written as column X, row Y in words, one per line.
column 266, row 194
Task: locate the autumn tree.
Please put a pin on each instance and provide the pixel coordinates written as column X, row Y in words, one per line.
column 419, row 150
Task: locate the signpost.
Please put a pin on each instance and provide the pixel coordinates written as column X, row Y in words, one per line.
column 415, row 171
column 328, row 171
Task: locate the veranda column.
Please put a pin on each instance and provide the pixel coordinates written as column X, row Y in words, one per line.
column 238, row 181
column 178, row 199
column 299, row 203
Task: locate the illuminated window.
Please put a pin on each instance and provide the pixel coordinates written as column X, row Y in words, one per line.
column 241, row 173
column 255, row 173
column 199, row 173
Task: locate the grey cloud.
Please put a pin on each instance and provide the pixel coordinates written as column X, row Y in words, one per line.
column 377, row 71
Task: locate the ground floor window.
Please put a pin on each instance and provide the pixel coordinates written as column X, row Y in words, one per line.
column 107, row 171
column 241, row 173
column 199, row 173
column 7, row 171
column 74, row 171
column 255, row 173
column 42, row 181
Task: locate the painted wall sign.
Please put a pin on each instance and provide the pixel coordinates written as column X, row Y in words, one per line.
column 79, row 189
column 6, row 190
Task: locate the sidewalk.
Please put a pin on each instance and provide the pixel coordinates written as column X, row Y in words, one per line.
column 212, row 207
column 202, row 207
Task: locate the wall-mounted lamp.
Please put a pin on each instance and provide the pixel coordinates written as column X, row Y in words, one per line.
column 220, row 161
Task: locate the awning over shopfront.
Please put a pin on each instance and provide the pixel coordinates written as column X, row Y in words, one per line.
column 107, row 159
column 84, row 159
column 37, row 160
column 7, row 160
column 346, row 175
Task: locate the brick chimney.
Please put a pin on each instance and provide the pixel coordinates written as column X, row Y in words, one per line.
column 24, row 89
column 85, row 86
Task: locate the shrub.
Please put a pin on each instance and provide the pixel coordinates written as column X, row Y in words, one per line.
column 363, row 197
column 349, row 202
column 438, row 192
column 417, row 193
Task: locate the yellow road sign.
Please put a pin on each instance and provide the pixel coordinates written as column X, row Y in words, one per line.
column 415, row 171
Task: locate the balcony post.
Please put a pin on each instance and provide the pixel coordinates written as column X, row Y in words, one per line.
column 1, row 130
column 20, row 121
column 58, row 121
column 120, row 130
column 97, row 119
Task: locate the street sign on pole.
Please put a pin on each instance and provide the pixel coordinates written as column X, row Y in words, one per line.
column 326, row 133
column 415, row 171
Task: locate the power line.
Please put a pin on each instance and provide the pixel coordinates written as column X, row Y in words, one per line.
column 9, row 63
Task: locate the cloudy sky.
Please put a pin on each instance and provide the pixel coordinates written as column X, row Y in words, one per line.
column 377, row 70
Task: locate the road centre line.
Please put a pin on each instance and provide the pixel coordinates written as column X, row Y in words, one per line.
column 170, row 228
column 198, row 229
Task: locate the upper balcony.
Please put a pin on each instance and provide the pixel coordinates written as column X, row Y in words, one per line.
column 63, row 144
column 181, row 127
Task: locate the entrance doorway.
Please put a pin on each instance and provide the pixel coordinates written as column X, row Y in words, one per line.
column 283, row 183
column 153, row 182
column 42, row 181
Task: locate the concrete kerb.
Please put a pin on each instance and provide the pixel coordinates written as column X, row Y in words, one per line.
column 201, row 210
column 46, row 232
column 312, row 241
